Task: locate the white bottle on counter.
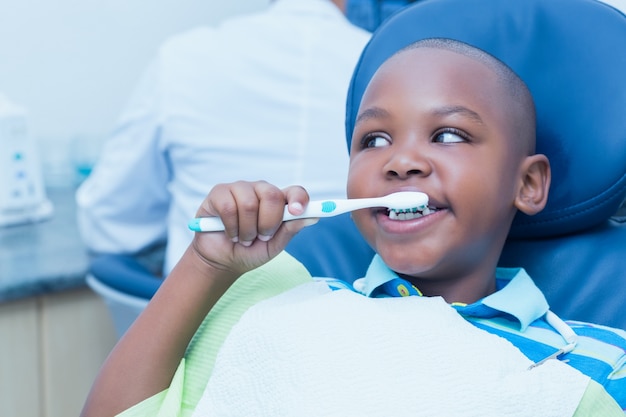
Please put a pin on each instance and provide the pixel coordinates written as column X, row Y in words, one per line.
column 22, row 192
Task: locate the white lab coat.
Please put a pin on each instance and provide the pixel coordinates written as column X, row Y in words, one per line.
column 262, row 96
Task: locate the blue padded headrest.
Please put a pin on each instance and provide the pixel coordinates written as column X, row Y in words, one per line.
column 572, row 56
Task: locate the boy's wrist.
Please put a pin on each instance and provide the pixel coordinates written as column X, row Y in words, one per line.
column 198, row 281
column 205, row 268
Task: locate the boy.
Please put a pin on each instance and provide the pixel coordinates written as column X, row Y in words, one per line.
column 439, row 117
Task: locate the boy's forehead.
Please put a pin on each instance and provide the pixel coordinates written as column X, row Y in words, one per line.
column 439, row 69
column 431, row 81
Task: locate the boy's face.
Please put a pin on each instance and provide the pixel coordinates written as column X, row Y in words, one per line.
column 436, row 121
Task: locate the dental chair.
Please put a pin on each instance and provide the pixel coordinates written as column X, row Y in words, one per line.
column 572, row 55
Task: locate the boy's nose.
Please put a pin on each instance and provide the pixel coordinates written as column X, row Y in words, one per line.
column 407, row 162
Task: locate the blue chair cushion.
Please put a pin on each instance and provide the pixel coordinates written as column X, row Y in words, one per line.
column 332, row 248
column 581, row 275
column 124, row 273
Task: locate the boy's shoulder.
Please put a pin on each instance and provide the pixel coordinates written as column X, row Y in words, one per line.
column 604, row 348
column 600, row 351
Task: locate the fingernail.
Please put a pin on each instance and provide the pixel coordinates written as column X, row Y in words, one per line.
column 264, row 238
column 246, row 243
column 296, row 206
column 235, row 239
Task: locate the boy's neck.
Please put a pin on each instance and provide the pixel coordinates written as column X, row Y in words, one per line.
column 467, row 290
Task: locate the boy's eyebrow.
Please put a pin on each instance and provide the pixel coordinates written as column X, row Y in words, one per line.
column 451, row 110
column 377, row 112
column 372, row 113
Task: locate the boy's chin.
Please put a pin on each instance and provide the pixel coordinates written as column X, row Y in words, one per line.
column 406, row 264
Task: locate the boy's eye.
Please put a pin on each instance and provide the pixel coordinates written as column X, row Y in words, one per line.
column 375, row 141
column 450, row 136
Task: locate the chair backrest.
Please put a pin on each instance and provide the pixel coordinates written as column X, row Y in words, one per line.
column 332, row 248
column 572, row 56
column 583, row 275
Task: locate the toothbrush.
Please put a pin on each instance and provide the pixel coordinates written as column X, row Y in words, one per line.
column 401, row 202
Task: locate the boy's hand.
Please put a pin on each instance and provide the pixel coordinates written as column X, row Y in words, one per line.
column 254, row 233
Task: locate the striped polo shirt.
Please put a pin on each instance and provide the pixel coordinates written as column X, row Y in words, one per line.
column 517, row 311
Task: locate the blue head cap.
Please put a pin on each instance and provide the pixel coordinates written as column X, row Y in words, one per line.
column 571, row 55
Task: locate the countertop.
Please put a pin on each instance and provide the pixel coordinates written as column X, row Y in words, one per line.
column 43, row 257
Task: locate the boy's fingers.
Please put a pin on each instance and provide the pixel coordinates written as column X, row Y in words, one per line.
column 270, row 215
column 260, row 214
column 254, row 210
column 221, row 203
column 286, row 232
column 247, row 211
column 297, row 199
column 274, row 205
column 259, row 209
column 236, row 204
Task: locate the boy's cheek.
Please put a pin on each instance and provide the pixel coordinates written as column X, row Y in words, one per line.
column 359, row 181
column 365, row 222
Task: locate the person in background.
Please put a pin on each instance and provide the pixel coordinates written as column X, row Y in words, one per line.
column 260, row 96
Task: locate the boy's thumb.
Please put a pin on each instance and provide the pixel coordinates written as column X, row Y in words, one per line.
column 288, row 230
column 309, row 222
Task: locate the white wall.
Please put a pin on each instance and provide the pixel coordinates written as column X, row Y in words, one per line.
column 72, row 63
column 618, row 4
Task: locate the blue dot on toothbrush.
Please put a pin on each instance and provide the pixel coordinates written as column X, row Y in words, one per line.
column 328, row 206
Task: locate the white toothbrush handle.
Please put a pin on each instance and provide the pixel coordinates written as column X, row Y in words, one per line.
column 315, row 209
column 327, row 208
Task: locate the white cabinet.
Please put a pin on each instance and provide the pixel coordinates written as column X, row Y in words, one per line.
column 51, row 348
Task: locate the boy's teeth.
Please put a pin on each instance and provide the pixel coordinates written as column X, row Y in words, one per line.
column 409, row 214
column 399, row 215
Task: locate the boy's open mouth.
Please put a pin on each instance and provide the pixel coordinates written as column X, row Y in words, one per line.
column 410, row 214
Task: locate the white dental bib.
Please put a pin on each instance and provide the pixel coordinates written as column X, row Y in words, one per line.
column 315, row 352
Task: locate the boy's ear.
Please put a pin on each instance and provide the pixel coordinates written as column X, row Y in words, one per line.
column 535, row 184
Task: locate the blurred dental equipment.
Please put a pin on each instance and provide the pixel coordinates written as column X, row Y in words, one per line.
column 22, row 192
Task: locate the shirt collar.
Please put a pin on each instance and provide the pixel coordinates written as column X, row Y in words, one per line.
column 516, row 295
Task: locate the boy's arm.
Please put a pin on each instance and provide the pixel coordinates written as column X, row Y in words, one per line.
column 145, row 359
